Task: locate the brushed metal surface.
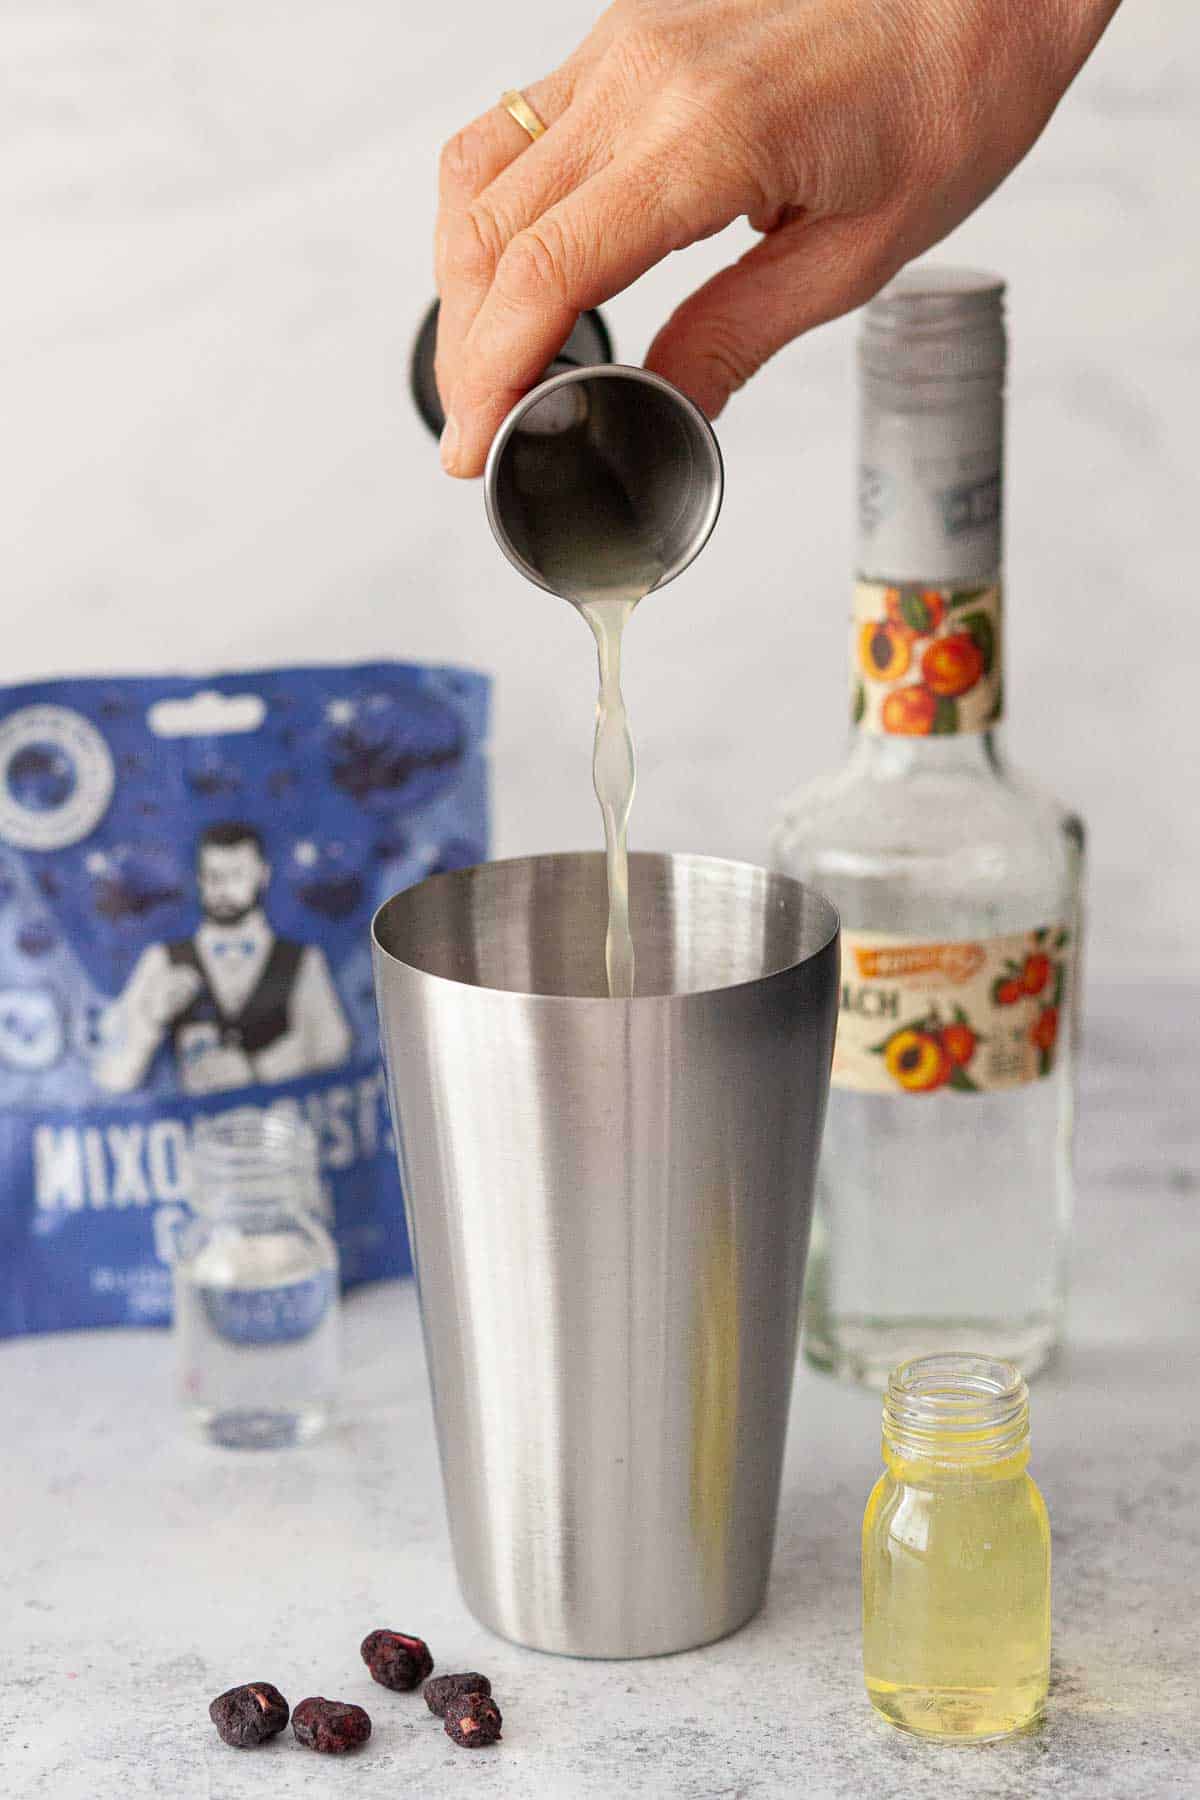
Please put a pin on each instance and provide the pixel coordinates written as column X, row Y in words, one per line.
column 639, row 438
column 609, row 1204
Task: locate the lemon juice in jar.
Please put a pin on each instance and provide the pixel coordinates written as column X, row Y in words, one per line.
column 956, row 1555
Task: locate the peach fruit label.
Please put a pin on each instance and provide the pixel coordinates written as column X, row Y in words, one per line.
column 970, row 1018
column 925, row 661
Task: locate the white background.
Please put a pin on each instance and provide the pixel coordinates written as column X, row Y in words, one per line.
column 215, row 220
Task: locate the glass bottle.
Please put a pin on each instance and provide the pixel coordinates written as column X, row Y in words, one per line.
column 944, row 1193
column 956, row 1555
column 256, row 1285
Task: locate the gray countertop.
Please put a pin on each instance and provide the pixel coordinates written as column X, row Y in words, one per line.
column 140, row 1573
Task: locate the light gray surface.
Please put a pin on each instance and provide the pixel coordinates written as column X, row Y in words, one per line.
column 140, row 1574
column 216, row 223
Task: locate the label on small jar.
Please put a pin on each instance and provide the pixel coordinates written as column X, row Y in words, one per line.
column 925, row 661
column 972, row 1016
column 269, row 1315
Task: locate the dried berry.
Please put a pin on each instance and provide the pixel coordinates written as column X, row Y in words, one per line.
column 330, row 1726
column 250, row 1714
column 395, row 1660
column 473, row 1720
column 442, row 1689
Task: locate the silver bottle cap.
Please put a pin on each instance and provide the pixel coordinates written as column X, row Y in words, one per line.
column 935, row 325
column 932, row 353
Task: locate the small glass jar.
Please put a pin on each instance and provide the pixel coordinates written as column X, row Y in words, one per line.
column 256, row 1285
column 956, row 1555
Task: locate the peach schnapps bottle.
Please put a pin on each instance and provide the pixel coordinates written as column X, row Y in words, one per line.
column 944, row 1191
column 956, row 1555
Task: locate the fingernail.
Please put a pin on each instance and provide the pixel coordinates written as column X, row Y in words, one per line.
column 449, row 444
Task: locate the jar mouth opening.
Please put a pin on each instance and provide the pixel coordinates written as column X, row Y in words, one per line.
column 246, row 1160
column 246, row 1129
column 956, row 1407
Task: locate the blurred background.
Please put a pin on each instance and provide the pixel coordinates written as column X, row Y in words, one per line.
column 217, row 224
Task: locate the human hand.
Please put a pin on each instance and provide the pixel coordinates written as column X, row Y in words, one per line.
column 168, row 992
column 282, row 1060
column 216, row 1068
column 853, row 135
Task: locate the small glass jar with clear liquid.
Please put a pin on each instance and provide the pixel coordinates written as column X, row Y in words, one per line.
column 256, row 1286
column 956, row 1555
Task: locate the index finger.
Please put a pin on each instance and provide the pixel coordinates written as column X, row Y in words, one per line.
column 470, row 161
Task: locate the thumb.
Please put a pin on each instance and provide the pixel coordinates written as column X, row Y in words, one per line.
column 800, row 275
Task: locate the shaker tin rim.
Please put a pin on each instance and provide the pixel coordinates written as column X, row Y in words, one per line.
column 686, row 858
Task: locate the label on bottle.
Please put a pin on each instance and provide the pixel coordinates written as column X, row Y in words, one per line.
column 925, row 661
column 971, row 1017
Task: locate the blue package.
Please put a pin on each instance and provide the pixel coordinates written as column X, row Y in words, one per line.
column 188, row 869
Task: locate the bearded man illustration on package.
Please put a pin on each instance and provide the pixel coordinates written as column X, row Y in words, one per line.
column 238, row 1003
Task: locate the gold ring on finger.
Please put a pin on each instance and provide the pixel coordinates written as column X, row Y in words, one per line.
column 518, row 107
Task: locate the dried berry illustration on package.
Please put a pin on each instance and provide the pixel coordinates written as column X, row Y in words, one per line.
column 188, row 869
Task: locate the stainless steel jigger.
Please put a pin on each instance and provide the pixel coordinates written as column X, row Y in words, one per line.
column 603, row 480
column 609, row 1204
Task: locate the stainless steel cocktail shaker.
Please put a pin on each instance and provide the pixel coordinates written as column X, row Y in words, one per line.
column 608, row 1203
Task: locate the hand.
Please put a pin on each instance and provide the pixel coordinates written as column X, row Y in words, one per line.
column 853, row 134
column 169, row 991
column 222, row 1067
column 282, row 1060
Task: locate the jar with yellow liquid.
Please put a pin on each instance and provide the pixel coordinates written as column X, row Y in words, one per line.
column 956, row 1555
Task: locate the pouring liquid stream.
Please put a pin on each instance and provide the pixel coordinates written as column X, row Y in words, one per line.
column 594, row 553
column 614, row 776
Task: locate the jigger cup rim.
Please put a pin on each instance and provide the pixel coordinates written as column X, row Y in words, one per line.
column 829, row 930
column 607, row 372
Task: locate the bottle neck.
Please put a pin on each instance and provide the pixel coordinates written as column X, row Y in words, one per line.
column 956, row 1415
column 926, row 641
column 967, row 753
